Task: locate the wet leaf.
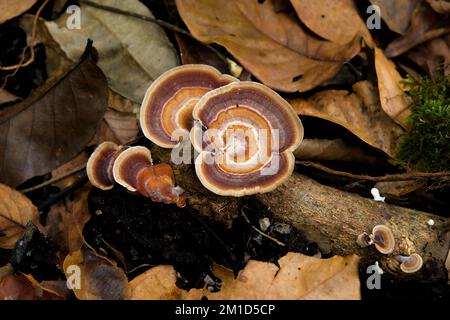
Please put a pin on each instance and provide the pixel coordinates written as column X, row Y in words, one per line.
column 359, row 112
column 426, row 25
column 269, row 44
column 16, row 211
column 397, row 14
column 298, row 277
column 99, row 278
column 54, row 124
column 396, row 103
column 12, row 8
column 132, row 52
column 322, row 17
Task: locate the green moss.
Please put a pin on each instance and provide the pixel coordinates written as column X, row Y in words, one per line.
column 427, row 146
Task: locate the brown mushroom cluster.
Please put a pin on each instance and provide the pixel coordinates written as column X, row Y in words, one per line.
column 133, row 168
column 384, row 241
column 244, row 132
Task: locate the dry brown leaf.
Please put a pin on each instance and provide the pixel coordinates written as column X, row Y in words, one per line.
column 271, row 45
column 100, row 278
column 298, row 277
column 54, row 124
column 334, row 20
column 123, row 125
column 433, row 56
column 55, row 289
column 332, row 150
column 426, row 25
column 122, row 104
column 158, row 283
column 359, row 112
column 16, row 211
column 66, row 220
column 397, row 13
column 193, row 52
column 7, row 97
column 441, row 6
column 12, row 8
column 394, row 101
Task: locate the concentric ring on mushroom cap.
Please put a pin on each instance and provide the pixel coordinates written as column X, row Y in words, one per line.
column 100, row 165
column 168, row 103
column 383, row 239
column 265, row 118
column 410, row 264
column 128, row 164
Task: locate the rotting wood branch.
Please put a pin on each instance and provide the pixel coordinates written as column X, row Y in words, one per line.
column 333, row 219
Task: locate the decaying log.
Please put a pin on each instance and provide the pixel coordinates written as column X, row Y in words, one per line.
column 333, row 219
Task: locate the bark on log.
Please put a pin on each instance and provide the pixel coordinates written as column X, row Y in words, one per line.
column 333, row 219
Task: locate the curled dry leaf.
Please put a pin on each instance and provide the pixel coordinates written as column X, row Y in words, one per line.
column 298, row 277
column 99, row 278
column 132, row 52
column 14, row 287
column 269, row 44
column 332, row 150
column 359, row 112
column 441, row 6
column 334, row 20
column 396, row 103
column 426, row 25
column 16, row 211
column 54, row 124
column 397, row 14
column 12, row 8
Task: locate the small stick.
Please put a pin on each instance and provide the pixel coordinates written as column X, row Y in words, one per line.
column 388, row 177
column 55, row 179
column 260, row 232
column 63, row 193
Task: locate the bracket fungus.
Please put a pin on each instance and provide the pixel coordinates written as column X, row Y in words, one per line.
column 100, row 165
column 134, row 169
column 382, row 237
column 410, row 264
column 169, row 101
column 245, row 134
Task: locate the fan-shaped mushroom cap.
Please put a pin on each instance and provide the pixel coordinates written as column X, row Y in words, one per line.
column 99, row 167
column 169, row 101
column 245, row 133
column 383, row 238
column 410, row 264
column 128, row 164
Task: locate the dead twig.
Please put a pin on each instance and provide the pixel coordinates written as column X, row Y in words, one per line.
column 260, row 232
column 389, row 177
column 55, row 179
